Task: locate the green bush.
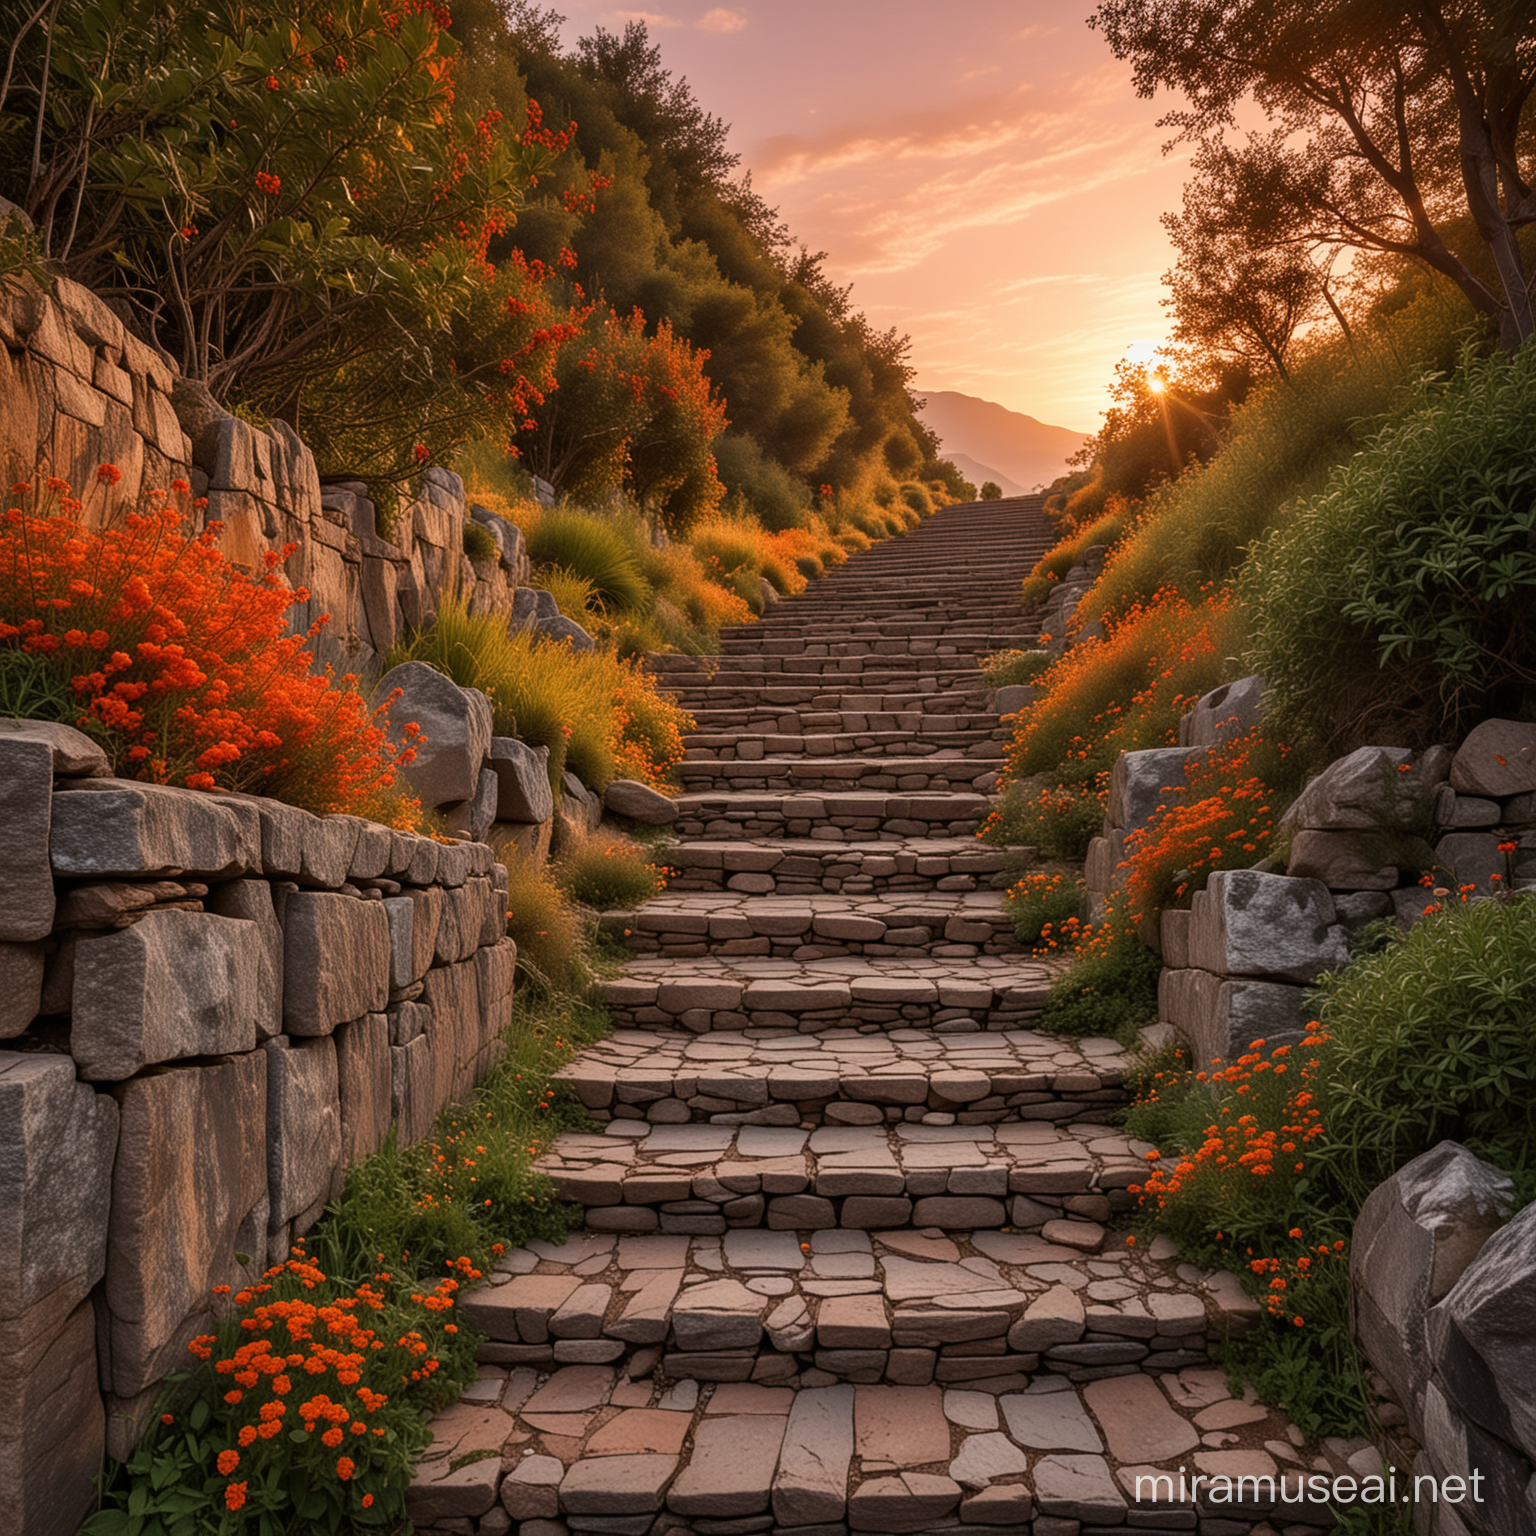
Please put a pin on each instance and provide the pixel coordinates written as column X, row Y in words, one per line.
column 1400, row 603
column 760, row 485
column 1057, row 820
column 1040, row 903
column 595, row 547
column 607, row 874
column 1110, row 990
column 1005, row 668
column 1432, row 1038
column 479, row 545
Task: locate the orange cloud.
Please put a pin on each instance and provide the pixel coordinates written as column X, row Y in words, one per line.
column 650, row 18
column 721, row 20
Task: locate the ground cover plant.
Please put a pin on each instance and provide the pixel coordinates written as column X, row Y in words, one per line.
column 123, row 622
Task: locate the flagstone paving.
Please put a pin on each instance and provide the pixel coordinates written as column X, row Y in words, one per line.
column 848, row 1262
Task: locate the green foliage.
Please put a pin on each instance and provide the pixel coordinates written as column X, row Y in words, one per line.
column 1003, row 669
column 1111, row 989
column 1432, row 1038
column 759, row 486
column 1414, row 572
column 1060, row 820
column 1281, row 444
column 479, row 545
column 1109, row 525
column 33, row 689
column 591, row 546
column 990, row 491
column 1313, row 1373
column 1041, row 902
column 574, row 595
column 607, row 874
column 548, row 932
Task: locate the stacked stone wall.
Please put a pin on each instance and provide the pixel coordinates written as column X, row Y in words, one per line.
column 79, row 389
column 210, row 1007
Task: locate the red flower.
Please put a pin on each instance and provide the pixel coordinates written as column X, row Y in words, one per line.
column 266, row 182
column 108, row 474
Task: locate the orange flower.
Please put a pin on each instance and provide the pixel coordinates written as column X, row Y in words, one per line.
column 344, row 1468
column 227, row 1462
column 234, row 1496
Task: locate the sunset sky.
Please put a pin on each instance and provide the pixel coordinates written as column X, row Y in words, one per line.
column 981, row 171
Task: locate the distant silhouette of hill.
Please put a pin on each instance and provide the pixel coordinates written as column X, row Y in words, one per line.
column 979, row 474
column 1025, row 451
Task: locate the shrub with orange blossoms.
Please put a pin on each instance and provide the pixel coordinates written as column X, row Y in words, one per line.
column 1222, row 818
column 1244, row 1179
column 306, row 1410
column 145, row 636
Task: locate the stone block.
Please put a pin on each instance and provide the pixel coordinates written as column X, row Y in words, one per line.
column 1482, row 1336
column 251, row 901
column 75, row 755
column 639, row 802
column 104, row 828
column 1224, row 713
column 26, row 801
column 730, row 1472
column 1413, row 1240
column 1142, row 781
column 1353, row 861
column 413, row 919
column 455, row 723
column 524, row 793
column 363, row 1086
column 21, row 986
column 914, row 1502
column 173, row 985
column 1219, row 1017
column 304, row 1168
column 452, row 992
column 1388, row 789
column 336, row 960
column 811, row 1485
column 51, row 1426
column 1497, row 760
column 1245, row 923
column 58, row 1139
column 472, row 819
column 189, row 1195
column 616, row 1485
column 412, row 1098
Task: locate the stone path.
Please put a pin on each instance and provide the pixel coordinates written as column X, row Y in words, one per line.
column 845, row 1266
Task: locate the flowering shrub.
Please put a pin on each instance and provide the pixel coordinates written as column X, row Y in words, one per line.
column 1260, row 1114
column 1125, row 692
column 304, row 1411
column 1059, row 820
column 1044, row 909
column 179, row 663
column 1223, row 820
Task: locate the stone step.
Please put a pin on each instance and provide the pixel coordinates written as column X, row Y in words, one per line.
column 799, row 866
column 701, row 1180
column 791, row 705
column 983, row 738
column 825, row 640
column 846, row 1077
column 692, row 924
column 834, row 816
column 956, row 713
column 1001, row 614
column 787, row 1308
column 943, row 772
column 889, row 674
column 756, row 992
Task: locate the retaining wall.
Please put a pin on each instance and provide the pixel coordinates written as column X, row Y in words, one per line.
column 210, row 1006
column 78, row 389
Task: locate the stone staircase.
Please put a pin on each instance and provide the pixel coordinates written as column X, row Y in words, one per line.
column 845, row 1264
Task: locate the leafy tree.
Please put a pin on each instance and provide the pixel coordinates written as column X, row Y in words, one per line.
column 287, row 200
column 1391, row 119
column 990, row 491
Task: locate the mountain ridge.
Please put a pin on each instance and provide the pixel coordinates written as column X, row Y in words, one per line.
column 1021, row 448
